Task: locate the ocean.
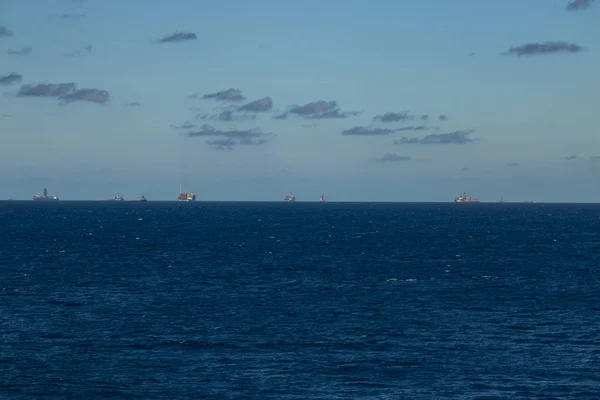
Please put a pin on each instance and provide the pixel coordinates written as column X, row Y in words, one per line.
column 164, row 300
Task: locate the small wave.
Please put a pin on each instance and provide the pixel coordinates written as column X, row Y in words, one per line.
column 55, row 335
column 187, row 344
column 67, row 303
column 481, row 309
column 367, row 233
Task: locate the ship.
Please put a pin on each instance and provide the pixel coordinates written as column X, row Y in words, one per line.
column 143, row 198
column 45, row 196
column 465, row 199
column 185, row 196
column 117, row 197
column 289, row 197
column 322, row 198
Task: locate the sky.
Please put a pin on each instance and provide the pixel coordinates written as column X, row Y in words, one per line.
column 380, row 100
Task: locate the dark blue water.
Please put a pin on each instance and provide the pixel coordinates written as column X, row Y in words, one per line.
column 299, row 301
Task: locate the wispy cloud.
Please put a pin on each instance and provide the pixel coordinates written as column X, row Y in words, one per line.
column 133, row 104
column 529, row 49
column 178, row 37
column 576, row 5
column 391, row 157
column 233, row 138
column 251, row 142
column 570, row 158
column 595, row 158
column 47, row 90
column 513, row 164
column 319, row 109
column 67, row 92
column 222, row 144
column 230, row 144
column 82, row 52
column 225, row 116
column 456, row 137
column 314, row 108
column 72, row 16
column 413, row 128
column 224, row 95
column 334, row 114
column 91, row 95
column 11, row 79
column 208, row 130
column 264, row 104
column 401, row 116
column 19, row 52
column 4, row 31
column 185, row 125
column 364, row 131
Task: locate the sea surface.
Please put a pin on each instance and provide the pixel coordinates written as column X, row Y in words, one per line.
column 299, row 301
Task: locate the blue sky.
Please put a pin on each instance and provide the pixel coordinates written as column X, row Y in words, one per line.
column 429, row 57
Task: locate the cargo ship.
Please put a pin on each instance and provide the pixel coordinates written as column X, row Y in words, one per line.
column 45, row 196
column 117, row 197
column 465, row 199
column 289, row 197
column 185, row 196
column 143, row 198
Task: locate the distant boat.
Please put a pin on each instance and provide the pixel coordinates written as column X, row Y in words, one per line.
column 289, row 197
column 322, row 198
column 116, row 197
column 45, row 196
column 465, row 199
column 143, row 198
column 185, row 196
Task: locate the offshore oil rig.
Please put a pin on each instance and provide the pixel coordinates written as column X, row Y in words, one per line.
column 45, row 196
column 289, row 197
column 185, row 196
